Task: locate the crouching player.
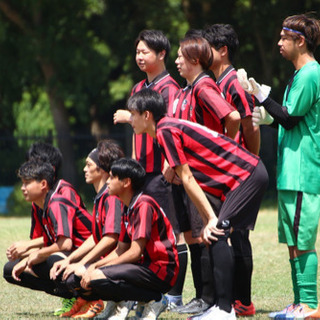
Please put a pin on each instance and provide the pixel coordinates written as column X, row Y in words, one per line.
column 65, row 227
column 105, row 230
column 144, row 264
column 225, row 181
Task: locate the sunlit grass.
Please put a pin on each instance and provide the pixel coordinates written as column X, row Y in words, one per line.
column 271, row 283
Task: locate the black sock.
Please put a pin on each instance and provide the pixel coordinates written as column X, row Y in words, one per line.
column 195, row 254
column 207, row 277
column 183, row 262
column 222, row 262
column 243, row 266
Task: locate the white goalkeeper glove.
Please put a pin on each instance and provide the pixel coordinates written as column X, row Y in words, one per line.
column 261, row 92
column 261, row 116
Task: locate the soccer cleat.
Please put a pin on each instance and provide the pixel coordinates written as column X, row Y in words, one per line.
column 107, row 312
column 153, row 308
column 89, row 310
column 139, row 307
column 215, row 313
column 77, row 305
column 194, row 306
column 121, row 310
column 66, row 306
column 242, row 310
column 303, row 311
column 174, row 302
column 287, row 310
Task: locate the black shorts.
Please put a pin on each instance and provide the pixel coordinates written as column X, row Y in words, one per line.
column 137, row 275
column 242, row 205
column 187, row 214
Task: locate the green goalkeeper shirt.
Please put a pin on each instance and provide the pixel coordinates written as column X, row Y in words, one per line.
column 298, row 166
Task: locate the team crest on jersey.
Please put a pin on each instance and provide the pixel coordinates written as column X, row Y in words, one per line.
column 184, row 104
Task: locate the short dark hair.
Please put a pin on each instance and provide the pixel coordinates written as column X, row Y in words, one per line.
column 129, row 168
column 195, row 48
column 108, row 152
column 307, row 26
column 155, row 40
column 220, row 35
column 38, row 170
column 47, row 153
column 148, row 100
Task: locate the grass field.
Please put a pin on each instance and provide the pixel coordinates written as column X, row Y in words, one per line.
column 271, row 287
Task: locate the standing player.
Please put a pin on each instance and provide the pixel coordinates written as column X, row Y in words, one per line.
column 200, row 101
column 224, row 43
column 105, row 229
column 144, row 264
column 298, row 158
column 218, row 175
column 65, row 227
column 152, row 51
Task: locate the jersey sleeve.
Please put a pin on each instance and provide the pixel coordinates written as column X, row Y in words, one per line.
column 212, row 101
column 142, row 221
column 171, row 144
column 242, row 101
column 113, row 210
column 61, row 216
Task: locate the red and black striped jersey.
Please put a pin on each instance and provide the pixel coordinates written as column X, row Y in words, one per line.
column 61, row 188
column 203, row 103
column 61, row 217
column 236, row 96
column 146, row 149
column 106, row 214
column 145, row 219
column 218, row 163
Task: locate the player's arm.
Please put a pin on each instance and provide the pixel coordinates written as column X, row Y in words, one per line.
column 106, row 244
column 62, row 244
column 75, row 256
column 121, row 116
column 251, row 135
column 121, row 248
column 23, row 248
column 232, row 123
column 201, row 202
column 280, row 114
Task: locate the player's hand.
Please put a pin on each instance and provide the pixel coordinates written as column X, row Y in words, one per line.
column 57, row 268
column 18, row 269
column 243, row 80
column 121, row 116
column 168, row 172
column 261, row 92
column 86, row 277
column 34, row 258
column 16, row 250
column 77, row 268
column 261, row 116
column 210, row 231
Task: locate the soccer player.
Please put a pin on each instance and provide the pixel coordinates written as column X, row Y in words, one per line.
column 224, row 43
column 21, row 249
column 218, row 175
column 65, row 227
column 200, row 101
column 105, row 229
column 152, row 51
column 144, row 264
column 298, row 161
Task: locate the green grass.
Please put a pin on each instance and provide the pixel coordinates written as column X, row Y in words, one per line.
column 271, row 286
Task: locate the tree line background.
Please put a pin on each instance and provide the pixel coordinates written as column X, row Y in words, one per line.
column 66, row 66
